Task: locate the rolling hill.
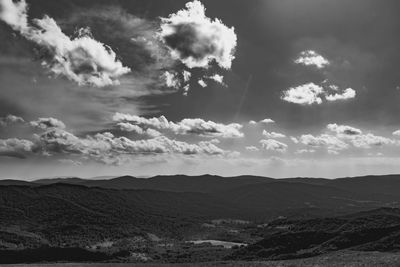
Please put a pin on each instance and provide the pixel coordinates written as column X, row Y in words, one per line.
column 243, row 196
column 316, row 216
column 374, row 230
column 175, row 183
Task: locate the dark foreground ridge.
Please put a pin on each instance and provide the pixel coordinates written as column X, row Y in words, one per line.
column 237, row 218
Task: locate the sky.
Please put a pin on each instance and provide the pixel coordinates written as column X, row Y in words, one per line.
column 278, row 88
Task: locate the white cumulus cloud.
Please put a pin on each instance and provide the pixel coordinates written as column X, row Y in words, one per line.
column 47, row 123
column 343, row 129
column 305, row 94
column 202, row 83
column 14, row 147
column 128, row 127
column 217, row 78
column 267, row 121
column 81, row 59
column 396, row 133
column 10, row 119
column 185, row 126
column 370, row 140
column 14, row 14
column 324, row 140
column 107, row 148
column 311, row 93
column 312, row 58
column 346, row 94
column 274, row 145
column 272, row 134
column 171, row 79
column 252, row 148
column 197, row 40
column 344, row 138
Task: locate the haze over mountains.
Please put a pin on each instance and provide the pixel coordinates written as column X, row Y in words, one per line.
column 248, row 195
column 208, row 183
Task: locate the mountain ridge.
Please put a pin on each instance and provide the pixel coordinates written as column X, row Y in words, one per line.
column 195, row 183
column 330, row 214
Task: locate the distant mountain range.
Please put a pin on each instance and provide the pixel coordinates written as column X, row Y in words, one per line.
column 241, row 196
column 262, row 192
column 74, row 212
column 212, row 183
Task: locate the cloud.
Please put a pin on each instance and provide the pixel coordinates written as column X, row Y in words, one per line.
column 211, row 149
column 128, row 127
column 304, row 151
column 324, row 140
column 370, row 140
column 305, row 94
column 136, row 38
column 185, row 126
column 171, row 79
column 272, row 134
column 357, row 138
column 343, row 129
column 311, row 93
column 186, row 76
column 214, row 141
column 396, row 133
column 202, row 83
column 14, row 14
column 267, row 121
column 107, row 148
column 186, row 89
column 41, row 123
column 347, row 94
column 271, row 144
column 207, row 128
column 81, row 59
column 345, row 136
column 10, row 119
column 137, row 42
column 197, row 40
column 252, row 148
column 14, row 147
column 312, row 58
column 217, row 78
column 333, row 152
column 47, row 123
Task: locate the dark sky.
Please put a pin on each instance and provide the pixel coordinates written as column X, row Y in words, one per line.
column 260, row 48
